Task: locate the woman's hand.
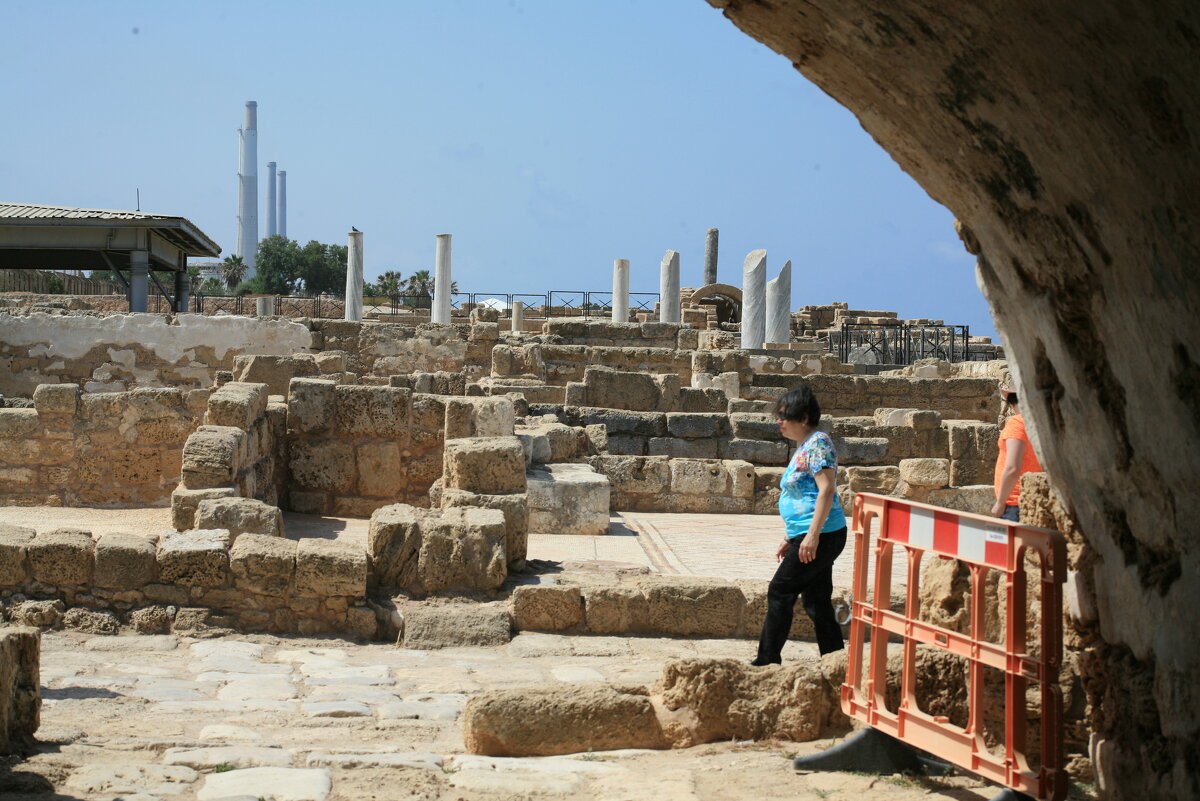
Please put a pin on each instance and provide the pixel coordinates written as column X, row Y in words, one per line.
column 808, row 547
column 782, row 550
column 998, row 508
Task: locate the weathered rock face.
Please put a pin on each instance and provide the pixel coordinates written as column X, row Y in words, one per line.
column 1064, row 138
column 20, row 700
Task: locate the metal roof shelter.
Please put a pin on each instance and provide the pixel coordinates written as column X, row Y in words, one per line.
column 41, row 237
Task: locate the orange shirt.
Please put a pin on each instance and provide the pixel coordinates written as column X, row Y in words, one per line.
column 1015, row 429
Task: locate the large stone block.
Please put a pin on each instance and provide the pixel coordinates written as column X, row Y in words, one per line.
column 393, row 541
column 613, row 389
column 747, row 425
column 456, row 626
column 516, row 516
column 925, row 472
column 20, row 696
column 568, row 499
column 641, row 424
column 694, row 606
column 329, row 567
column 685, row 448
column 124, row 561
column 615, row 610
column 240, row 516
column 211, row 456
column 276, row 372
column 324, row 464
column 198, row 558
column 966, row 472
column 371, row 411
column 635, row 475
column 860, row 450
column 696, row 426
column 479, row 417
column 237, row 404
column 14, row 557
column 62, row 557
column 560, row 720
column 880, row 480
column 757, row 451
column 310, row 405
column 491, row 465
column 381, row 473
column 263, row 564
column 56, row 399
column 184, row 502
column 462, row 549
column 699, row 477
column 17, row 423
column 546, row 608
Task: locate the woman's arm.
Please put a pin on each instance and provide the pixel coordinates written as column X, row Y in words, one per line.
column 1014, row 456
column 825, row 488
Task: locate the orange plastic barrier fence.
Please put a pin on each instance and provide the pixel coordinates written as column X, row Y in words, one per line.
column 984, row 544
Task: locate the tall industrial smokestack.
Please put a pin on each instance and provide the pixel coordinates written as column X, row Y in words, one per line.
column 283, row 203
column 271, row 229
column 247, row 239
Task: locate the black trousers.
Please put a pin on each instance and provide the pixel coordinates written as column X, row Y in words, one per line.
column 813, row 581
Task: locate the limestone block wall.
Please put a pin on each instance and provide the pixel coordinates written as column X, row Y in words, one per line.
column 115, row 449
column 858, row 395
column 183, row 581
column 556, row 365
column 602, row 333
column 238, row 452
column 638, row 391
column 20, row 694
column 386, row 349
column 662, row 484
column 354, row 449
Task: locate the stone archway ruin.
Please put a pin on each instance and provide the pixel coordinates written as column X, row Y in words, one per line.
column 1065, row 139
column 726, row 298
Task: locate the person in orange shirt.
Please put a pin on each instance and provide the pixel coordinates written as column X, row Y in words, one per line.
column 1016, row 458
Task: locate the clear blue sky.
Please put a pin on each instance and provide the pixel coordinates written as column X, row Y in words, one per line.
column 549, row 136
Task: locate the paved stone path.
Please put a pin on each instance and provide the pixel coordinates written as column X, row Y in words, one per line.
column 166, row 718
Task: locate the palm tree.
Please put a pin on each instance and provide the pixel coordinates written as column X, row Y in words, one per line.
column 389, row 283
column 419, row 283
column 233, row 269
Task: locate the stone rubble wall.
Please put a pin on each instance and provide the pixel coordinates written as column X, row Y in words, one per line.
column 184, row 581
column 115, row 352
column 861, row 395
column 354, row 449
column 602, row 333
column 238, row 452
column 387, row 349
column 113, row 449
column 20, row 687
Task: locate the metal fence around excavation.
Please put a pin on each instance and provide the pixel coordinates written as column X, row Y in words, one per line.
column 904, row 344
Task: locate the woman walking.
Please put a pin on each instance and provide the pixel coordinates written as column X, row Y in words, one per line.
column 815, row 531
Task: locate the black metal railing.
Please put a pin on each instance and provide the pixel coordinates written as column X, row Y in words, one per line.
column 903, row 344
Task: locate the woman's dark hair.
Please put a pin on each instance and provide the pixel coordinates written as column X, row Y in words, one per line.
column 1011, row 398
column 800, row 406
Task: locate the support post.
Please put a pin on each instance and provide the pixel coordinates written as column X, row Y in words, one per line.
column 754, row 291
column 139, row 280
column 710, row 256
column 620, row 291
column 354, row 276
column 668, row 288
column 442, row 281
column 283, row 203
column 779, row 302
column 183, row 286
column 272, row 208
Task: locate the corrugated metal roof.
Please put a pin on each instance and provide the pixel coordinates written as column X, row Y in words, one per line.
column 33, row 211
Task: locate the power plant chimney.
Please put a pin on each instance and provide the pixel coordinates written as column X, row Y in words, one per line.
column 247, row 239
column 283, row 203
column 271, row 229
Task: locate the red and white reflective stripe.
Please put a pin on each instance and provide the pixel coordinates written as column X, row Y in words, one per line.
column 946, row 533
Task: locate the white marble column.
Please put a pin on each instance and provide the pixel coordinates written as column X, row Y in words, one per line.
column 518, row 318
column 620, row 292
column 754, row 291
column 442, row 282
column 779, row 301
column 668, row 288
column 265, row 305
column 354, row 276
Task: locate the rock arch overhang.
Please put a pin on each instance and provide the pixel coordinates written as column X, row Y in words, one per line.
column 715, row 290
column 1066, row 139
